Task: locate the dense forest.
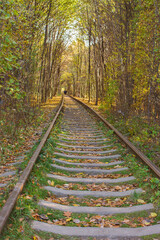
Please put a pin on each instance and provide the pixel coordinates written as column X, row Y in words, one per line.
column 107, row 51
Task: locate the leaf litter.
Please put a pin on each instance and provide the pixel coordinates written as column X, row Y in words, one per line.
column 96, row 187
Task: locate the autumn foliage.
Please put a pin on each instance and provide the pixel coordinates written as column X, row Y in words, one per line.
column 102, row 50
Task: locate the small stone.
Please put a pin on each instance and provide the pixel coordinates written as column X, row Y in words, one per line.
column 76, row 221
column 117, row 199
column 55, row 220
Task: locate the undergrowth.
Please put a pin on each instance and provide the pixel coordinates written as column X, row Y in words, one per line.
column 143, row 134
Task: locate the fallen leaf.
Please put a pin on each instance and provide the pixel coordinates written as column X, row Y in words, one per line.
column 63, row 222
column 140, row 201
column 21, row 229
column 36, row 216
column 51, row 183
column 118, row 188
column 68, row 219
column 18, row 208
column 146, row 223
column 28, row 197
column 21, row 219
column 124, row 199
column 102, row 224
column 43, row 217
column 126, row 221
column 98, row 217
column 49, row 222
column 36, row 237
column 67, row 214
column 49, row 214
column 153, row 215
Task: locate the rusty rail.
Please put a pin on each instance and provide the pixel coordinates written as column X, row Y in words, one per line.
column 9, row 205
column 135, row 150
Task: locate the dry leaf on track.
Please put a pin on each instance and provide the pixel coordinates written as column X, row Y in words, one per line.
column 21, row 219
column 67, row 214
column 68, row 219
column 153, row 215
column 43, row 217
column 36, row 237
column 140, row 201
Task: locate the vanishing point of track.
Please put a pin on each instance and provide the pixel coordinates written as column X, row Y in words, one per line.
column 89, row 158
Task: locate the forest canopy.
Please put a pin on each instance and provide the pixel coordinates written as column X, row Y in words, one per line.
column 105, row 50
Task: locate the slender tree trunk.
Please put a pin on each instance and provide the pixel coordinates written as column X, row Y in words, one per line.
column 89, row 66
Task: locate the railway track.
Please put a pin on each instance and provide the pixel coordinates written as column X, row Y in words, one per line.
column 90, row 182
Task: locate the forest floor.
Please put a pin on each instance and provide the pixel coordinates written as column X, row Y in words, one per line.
column 144, row 135
column 22, row 143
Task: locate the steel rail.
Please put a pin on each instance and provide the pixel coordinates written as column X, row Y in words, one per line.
column 136, row 151
column 11, row 201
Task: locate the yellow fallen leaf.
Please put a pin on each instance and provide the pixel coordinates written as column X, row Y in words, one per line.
column 146, row 223
column 140, row 201
column 36, row 237
column 51, row 183
column 49, row 214
column 68, row 219
column 124, row 199
column 28, row 197
column 153, row 215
